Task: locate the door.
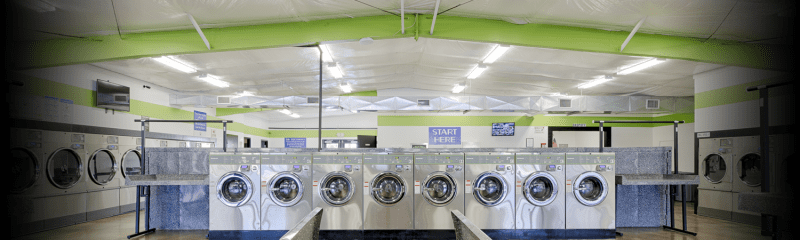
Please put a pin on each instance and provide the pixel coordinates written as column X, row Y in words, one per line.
column 102, row 167
column 590, row 188
column 714, row 168
column 64, row 168
column 234, row 189
column 490, row 189
column 336, row 188
column 749, row 169
column 24, row 170
column 540, row 189
column 285, row 189
column 387, row 188
column 439, row 189
column 131, row 163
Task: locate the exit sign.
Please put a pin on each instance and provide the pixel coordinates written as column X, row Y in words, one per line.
column 579, row 125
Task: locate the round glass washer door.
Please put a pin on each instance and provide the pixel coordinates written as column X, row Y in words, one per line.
column 131, row 163
column 540, row 188
column 24, row 170
column 490, row 189
column 102, row 166
column 234, row 189
column 590, row 188
column 336, row 188
column 285, row 189
column 64, row 168
column 387, row 188
column 749, row 168
column 439, row 189
column 714, row 167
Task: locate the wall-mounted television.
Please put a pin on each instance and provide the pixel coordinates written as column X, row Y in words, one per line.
column 113, row 96
column 503, row 129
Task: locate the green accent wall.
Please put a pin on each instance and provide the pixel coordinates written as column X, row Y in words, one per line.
column 538, row 120
column 66, row 51
column 362, row 93
column 735, row 94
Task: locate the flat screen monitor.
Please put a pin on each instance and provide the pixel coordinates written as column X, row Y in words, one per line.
column 113, row 96
column 503, row 129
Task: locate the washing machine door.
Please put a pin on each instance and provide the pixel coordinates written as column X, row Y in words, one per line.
column 102, row 167
column 336, row 188
column 24, row 170
column 234, row 189
column 285, row 189
column 540, row 189
column 387, row 188
column 490, row 189
column 590, row 188
column 749, row 169
column 131, row 163
column 714, row 167
column 439, row 189
column 64, row 168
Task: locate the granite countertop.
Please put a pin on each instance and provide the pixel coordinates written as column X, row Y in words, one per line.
column 657, row 179
column 167, row 179
column 769, row 203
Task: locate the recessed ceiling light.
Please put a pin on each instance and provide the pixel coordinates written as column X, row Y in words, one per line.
column 477, row 71
column 643, row 65
column 173, row 63
column 496, row 53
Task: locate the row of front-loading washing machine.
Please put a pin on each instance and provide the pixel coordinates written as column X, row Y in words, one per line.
column 64, row 178
column 403, row 191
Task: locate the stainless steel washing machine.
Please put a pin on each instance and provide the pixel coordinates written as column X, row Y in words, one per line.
column 590, row 202
column 747, row 170
column 102, row 184
column 438, row 182
column 715, row 198
column 65, row 197
column 388, row 204
column 337, row 190
column 130, row 164
column 541, row 186
column 234, row 193
column 489, row 190
column 286, row 196
column 26, row 171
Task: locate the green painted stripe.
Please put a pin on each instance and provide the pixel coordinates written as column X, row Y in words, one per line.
column 734, row 94
column 362, row 93
column 539, row 120
column 66, row 51
column 314, row 133
column 232, row 111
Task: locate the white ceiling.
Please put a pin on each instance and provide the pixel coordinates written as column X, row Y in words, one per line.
column 427, row 64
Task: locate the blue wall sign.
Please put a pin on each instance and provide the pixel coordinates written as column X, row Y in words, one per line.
column 199, row 116
column 294, row 142
column 444, row 135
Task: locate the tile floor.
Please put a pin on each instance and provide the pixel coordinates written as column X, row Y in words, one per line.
column 119, row 227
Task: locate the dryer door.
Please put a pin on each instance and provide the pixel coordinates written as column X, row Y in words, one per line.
column 490, row 188
column 590, row 188
column 64, row 168
column 285, row 189
column 234, row 189
column 337, row 188
column 102, row 167
column 131, row 163
column 439, row 189
column 388, row 188
column 24, row 170
column 540, row 189
column 714, row 168
column 749, row 169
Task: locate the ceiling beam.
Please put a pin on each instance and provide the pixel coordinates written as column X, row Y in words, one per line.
column 68, row 51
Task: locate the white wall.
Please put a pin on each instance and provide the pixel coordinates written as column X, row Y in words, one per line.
column 664, row 136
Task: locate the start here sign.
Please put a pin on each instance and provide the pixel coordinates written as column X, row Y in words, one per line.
column 444, row 136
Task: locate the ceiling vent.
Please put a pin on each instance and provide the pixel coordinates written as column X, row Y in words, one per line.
column 313, row 99
column 423, row 102
column 565, row 103
column 652, row 104
column 223, row 100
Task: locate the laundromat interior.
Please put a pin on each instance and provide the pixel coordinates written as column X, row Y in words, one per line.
column 468, row 119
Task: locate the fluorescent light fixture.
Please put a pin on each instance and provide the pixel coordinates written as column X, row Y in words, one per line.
column 557, row 94
column 294, row 115
column 458, row 88
column 244, row 94
column 285, row 111
column 596, row 82
column 353, row 111
column 213, row 80
column 643, row 65
column 335, row 70
column 477, row 71
column 326, row 53
column 496, row 53
column 177, row 65
column 346, row 88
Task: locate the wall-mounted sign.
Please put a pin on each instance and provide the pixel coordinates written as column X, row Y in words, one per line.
column 294, row 142
column 579, row 125
column 198, row 126
column 538, row 129
column 444, row 135
column 703, row 135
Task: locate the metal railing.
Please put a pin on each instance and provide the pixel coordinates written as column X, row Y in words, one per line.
column 306, row 229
